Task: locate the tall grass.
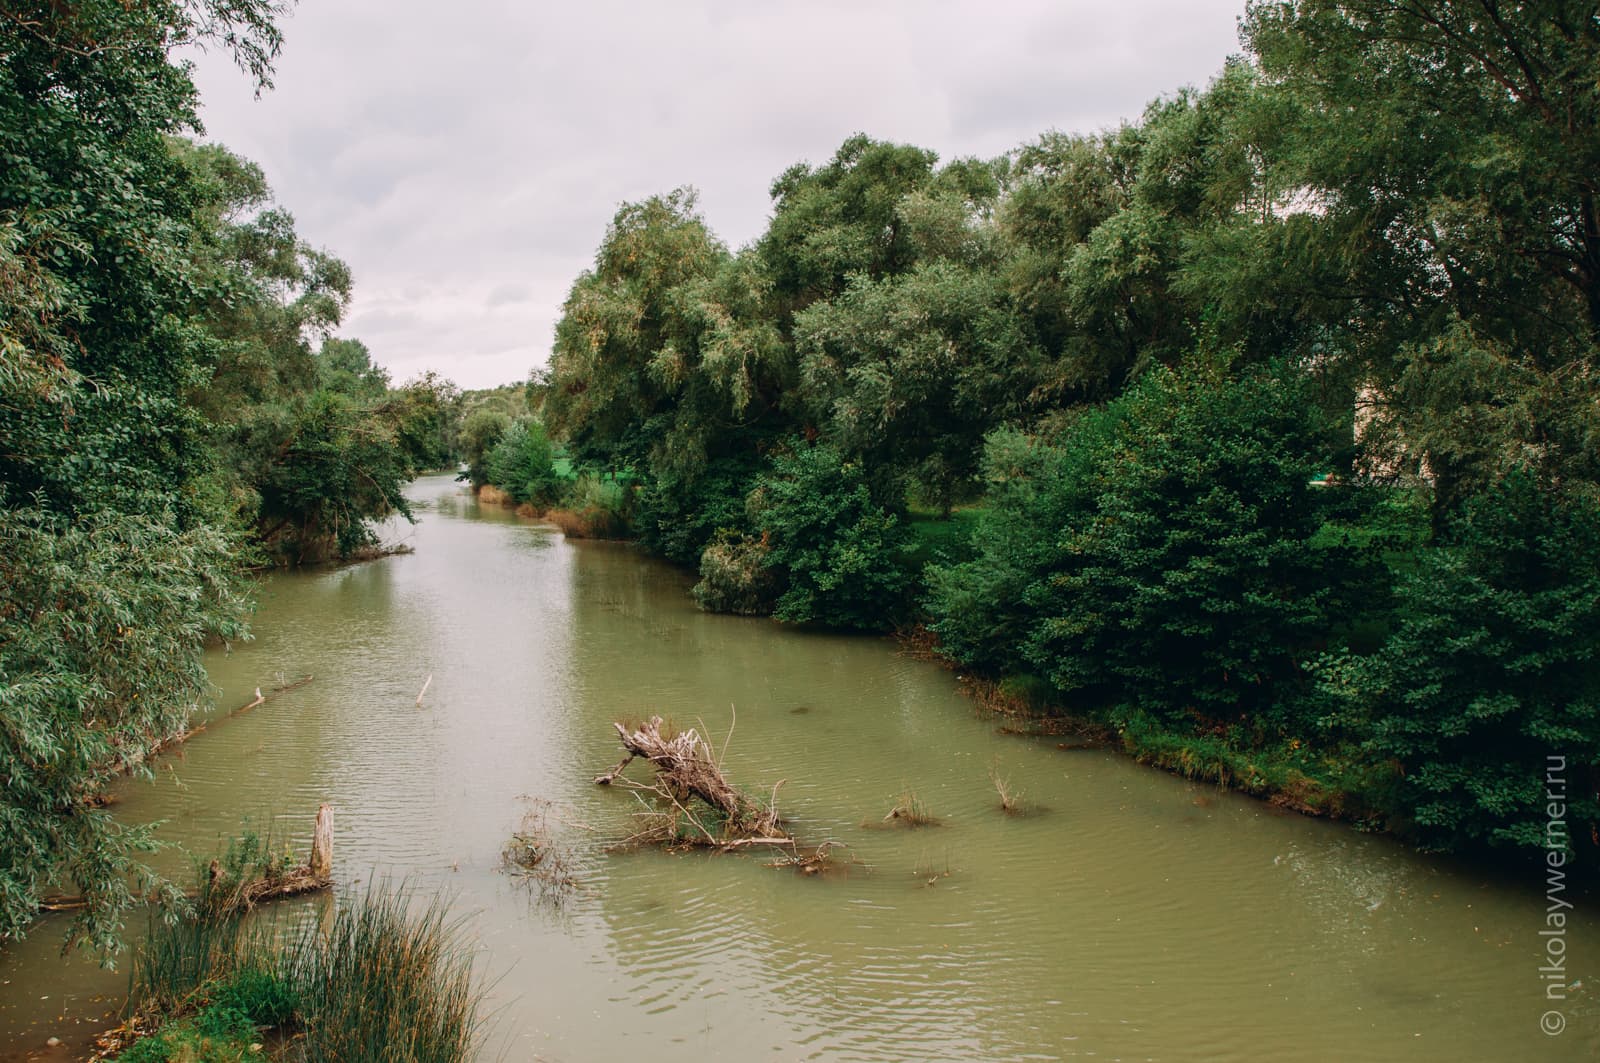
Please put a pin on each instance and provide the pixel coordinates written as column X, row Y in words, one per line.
column 595, row 508
column 204, row 941
column 383, row 984
column 384, row 980
column 183, row 956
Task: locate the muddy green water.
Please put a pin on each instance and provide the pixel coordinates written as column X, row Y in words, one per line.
column 1132, row 916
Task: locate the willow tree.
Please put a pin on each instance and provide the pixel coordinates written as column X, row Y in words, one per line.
column 112, row 570
column 1452, row 150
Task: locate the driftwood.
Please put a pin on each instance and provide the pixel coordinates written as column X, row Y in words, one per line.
column 315, row 874
column 183, row 736
column 688, row 771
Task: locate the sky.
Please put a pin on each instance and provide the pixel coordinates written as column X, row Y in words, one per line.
column 465, row 158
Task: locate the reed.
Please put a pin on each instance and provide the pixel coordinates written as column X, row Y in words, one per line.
column 1010, row 797
column 202, row 939
column 910, row 810
column 386, row 982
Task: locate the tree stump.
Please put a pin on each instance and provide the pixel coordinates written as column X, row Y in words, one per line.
column 320, row 863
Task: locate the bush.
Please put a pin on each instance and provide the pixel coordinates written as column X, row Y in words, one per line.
column 1489, row 672
column 215, row 1035
column 595, row 508
column 1168, row 554
column 522, row 464
column 481, row 432
column 734, row 578
column 842, row 559
column 679, row 515
column 978, row 606
column 258, row 993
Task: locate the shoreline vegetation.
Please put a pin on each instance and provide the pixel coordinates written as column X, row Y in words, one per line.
column 378, row 976
column 1257, row 431
column 1254, row 431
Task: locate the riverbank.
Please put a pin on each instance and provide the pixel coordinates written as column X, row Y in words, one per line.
column 1264, row 935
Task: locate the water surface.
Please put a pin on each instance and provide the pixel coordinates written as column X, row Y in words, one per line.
column 1131, row 916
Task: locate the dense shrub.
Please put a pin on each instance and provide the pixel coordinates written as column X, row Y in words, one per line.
column 735, row 578
column 979, row 608
column 1490, row 672
column 842, row 559
column 480, row 433
column 522, row 464
column 680, row 514
column 1168, row 555
column 259, row 993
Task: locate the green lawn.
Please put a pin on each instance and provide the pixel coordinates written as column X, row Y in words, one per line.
column 943, row 540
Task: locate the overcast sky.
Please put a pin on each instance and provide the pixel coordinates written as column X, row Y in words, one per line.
column 465, row 158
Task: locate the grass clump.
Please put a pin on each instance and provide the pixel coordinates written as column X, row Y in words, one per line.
column 214, row 1035
column 910, row 810
column 384, row 984
column 383, row 981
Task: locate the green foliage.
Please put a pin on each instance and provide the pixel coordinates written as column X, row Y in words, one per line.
column 735, row 577
column 214, row 1035
column 384, row 979
column 346, row 366
column 423, row 411
column 1488, row 675
column 258, row 993
column 595, row 507
column 980, row 607
column 909, row 373
column 842, row 559
column 104, row 621
column 1175, row 561
column 326, row 468
column 158, row 391
column 481, row 432
column 680, row 514
column 384, row 983
column 842, row 218
column 522, row 464
column 623, row 332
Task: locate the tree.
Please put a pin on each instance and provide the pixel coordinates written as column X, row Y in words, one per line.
column 333, row 469
column 1465, row 135
column 840, row 219
column 621, row 334
column 909, row 373
column 114, row 569
column 1451, row 151
column 480, row 433
column 521, row 464
column 346, row 366
column 1489, row 674
column 840, row 558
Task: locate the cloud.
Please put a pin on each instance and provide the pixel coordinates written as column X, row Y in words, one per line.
column 466, row 158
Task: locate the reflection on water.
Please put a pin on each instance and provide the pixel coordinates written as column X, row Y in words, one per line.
column 1135, row 917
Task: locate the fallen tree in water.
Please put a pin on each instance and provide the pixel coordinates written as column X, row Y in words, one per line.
column 694, row 805
column 260, row 699
column 247, row 875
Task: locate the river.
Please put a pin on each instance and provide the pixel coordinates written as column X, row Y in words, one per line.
column 1129, row 915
